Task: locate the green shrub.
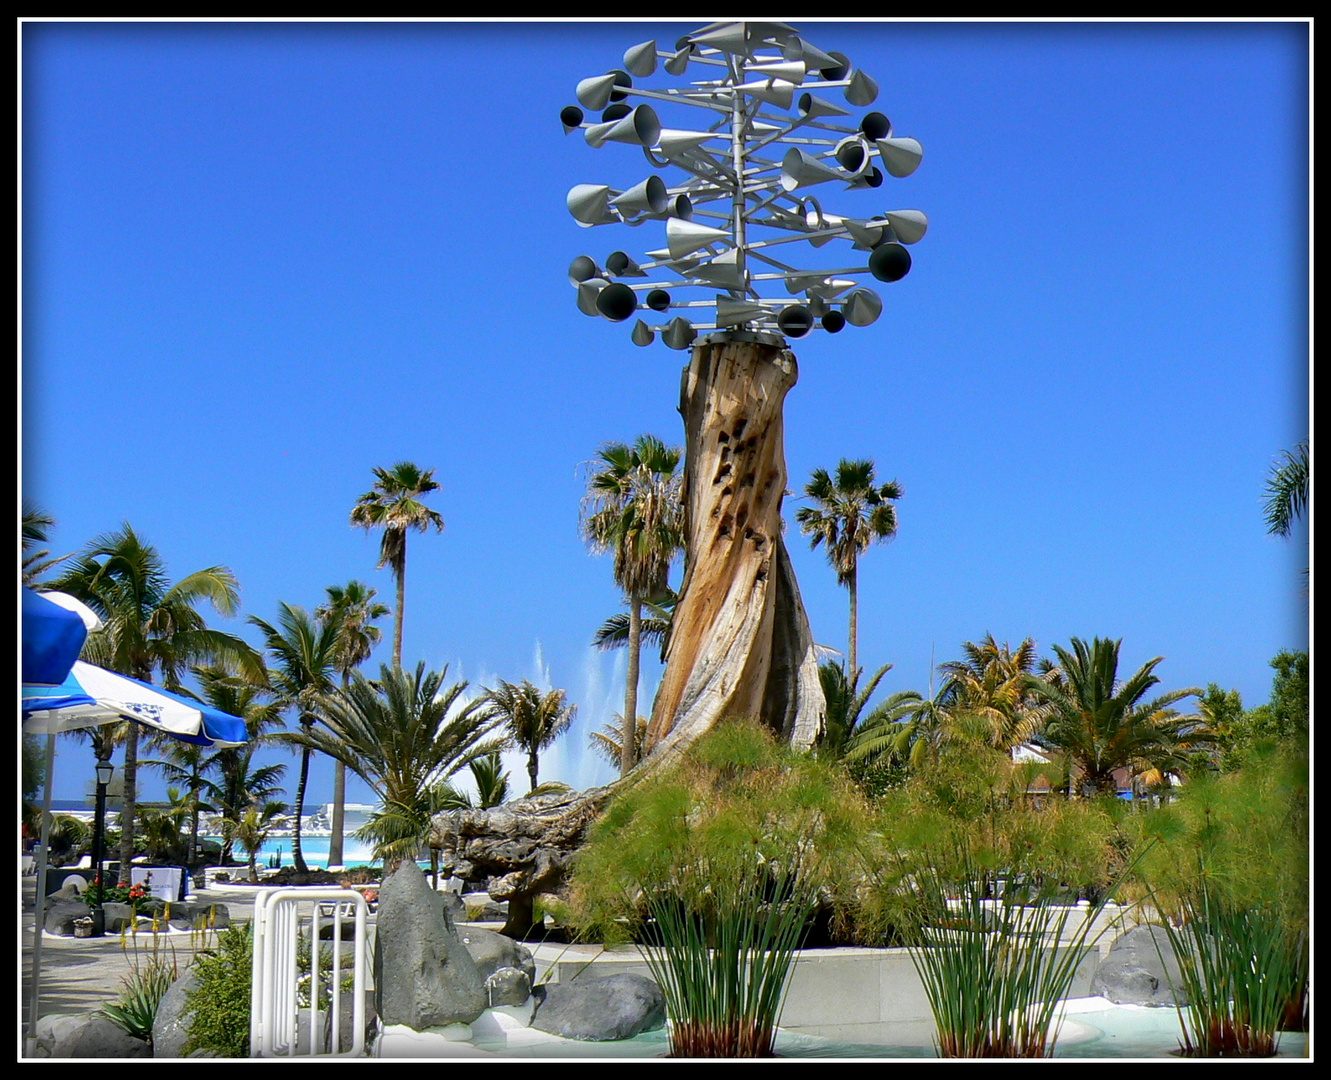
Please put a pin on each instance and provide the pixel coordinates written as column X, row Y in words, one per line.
column 716, row 867
column 220, row 1000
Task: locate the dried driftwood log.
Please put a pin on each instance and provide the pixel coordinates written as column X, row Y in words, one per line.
column 523, row 848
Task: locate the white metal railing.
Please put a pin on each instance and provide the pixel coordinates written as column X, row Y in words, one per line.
column 282, row 917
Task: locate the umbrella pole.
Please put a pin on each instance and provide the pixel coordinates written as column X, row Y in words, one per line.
column 39, row 912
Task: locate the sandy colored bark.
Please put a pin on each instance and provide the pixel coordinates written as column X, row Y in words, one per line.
column 740, row 643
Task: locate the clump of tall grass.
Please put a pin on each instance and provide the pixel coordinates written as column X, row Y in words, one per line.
column 981, row 879
column 1230, row 872
column 1238, row 966
column 724, row 965
column 716, row 869
column 996, row 971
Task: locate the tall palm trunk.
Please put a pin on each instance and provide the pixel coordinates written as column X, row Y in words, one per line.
column 852, row 583
column 335, row 857
column 194, row 814
column 531, row 767
column 129, row 775
column 297, row 856
column 400, row 572
column 627, row 751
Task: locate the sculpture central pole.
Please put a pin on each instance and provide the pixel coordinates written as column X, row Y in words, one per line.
column 740, row 643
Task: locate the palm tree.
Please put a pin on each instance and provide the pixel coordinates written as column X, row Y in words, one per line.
column 1102, row 723
column 36, row 522
column 305, row 655
column 653, row 627
column 151, row 627
column 846, row 703
column 991, row 683
column 182, row 768
column 356, row 608
column 907, row 728
column 163, row 828
column 852, row 512
column 252, row 828
column 394, row 505
column 1287, row 491
column 491, row 780
column 634, row 508
column 237, row 784
column 608, row 742
column 402, row 734
column 534, row 720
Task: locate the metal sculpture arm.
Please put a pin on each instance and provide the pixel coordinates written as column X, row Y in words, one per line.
column 755, row 201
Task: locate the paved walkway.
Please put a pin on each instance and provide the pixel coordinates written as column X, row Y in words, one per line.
column 82, row 974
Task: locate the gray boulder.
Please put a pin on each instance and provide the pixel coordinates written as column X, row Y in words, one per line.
column 119, row 916
column 92, row 1035
column 601, row 1010
column 60, row 915
column 493, row 951
column 214, row 916
column 478, row 907
column 508, row 986
column 183, row 915
column 1132, row 973
column 51, row 1030
column 457, row 910
column 328, row 929
column 423, row 974
column 346, row 1010
column 171, row 1026
column 72, row 888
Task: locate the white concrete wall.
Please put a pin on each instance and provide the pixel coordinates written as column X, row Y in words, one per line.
column 830, row 988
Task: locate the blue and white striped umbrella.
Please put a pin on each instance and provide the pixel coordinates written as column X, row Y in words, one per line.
column 54, row 628
column 92, row 695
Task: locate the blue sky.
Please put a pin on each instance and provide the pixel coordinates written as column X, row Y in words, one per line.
column 261, row 259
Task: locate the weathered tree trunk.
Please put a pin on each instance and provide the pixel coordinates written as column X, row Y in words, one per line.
column 740, row 643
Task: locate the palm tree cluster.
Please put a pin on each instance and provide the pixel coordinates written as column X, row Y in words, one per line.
column 152, row 628
column 1078, row 710
column 406, row 733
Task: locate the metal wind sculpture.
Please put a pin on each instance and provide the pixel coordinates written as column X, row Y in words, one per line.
column 740, row 643
column 767, row 137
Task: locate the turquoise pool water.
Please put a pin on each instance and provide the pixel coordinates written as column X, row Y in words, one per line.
column 1118, row 1032
column 314, row 849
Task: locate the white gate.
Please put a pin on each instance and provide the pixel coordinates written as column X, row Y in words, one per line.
column 280, row 1025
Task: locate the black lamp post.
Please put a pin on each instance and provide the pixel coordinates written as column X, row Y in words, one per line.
column 105, row 770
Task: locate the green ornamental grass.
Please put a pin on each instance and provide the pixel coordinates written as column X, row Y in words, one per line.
column 980, row 880
column 715, row 870
column 994, row 970
column 1230, row 870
